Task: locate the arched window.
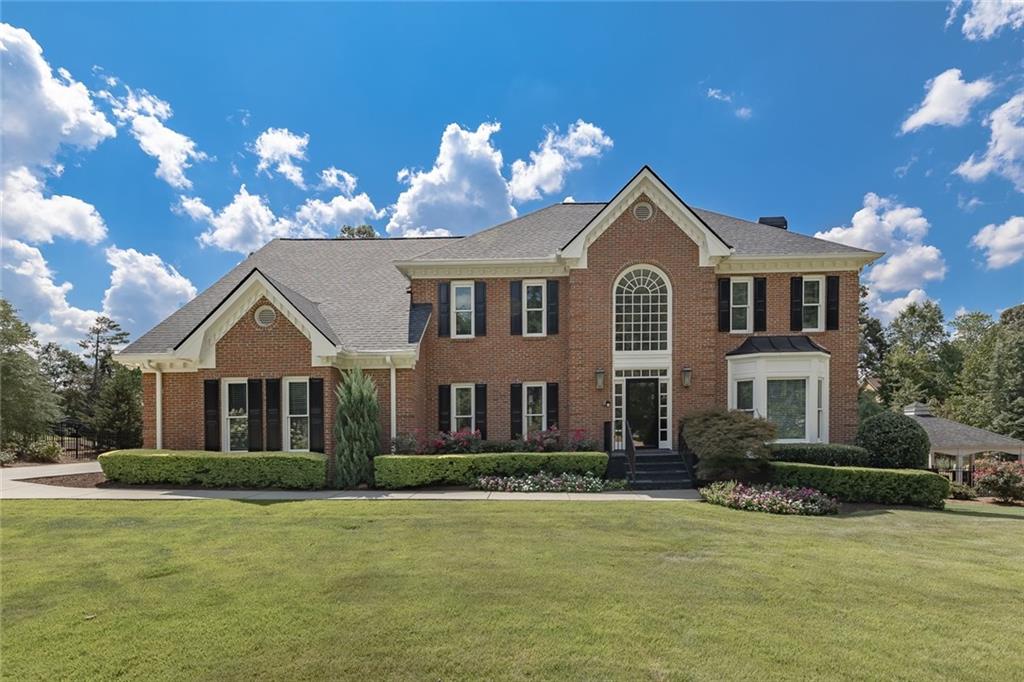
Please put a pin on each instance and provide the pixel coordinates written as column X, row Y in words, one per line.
column 641, row 311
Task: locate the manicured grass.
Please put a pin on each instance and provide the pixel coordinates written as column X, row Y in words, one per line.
column 488, row 590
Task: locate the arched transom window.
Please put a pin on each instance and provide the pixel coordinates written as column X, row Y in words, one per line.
column 641, row 311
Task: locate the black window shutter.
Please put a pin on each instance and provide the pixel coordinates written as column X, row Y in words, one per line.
column 515, row 306
column 273, row 389
column 211, row 414
column 724, row 299
column 480, row 309
column 832, row 302
column 516, row 411
column 444, row 408
column 255, row 415
column 760, row 304
column 552, row 306
column 796, row 304
column 480, row 410
column 316, row 415
column 552, row 415
column 444, row 319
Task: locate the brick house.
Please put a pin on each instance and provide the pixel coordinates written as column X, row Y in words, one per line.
column 637, row 311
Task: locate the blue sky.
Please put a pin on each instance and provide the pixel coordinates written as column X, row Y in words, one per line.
column 888, row 126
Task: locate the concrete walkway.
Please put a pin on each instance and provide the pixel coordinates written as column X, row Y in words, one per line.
column 13, row 486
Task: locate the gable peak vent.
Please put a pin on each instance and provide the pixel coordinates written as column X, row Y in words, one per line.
column 643, row 211
column 778, row 221
column 265, row 315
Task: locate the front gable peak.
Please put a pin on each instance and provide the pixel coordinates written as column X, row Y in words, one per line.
column 646, row 183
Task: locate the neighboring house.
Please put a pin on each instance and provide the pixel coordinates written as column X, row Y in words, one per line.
column 641, row 309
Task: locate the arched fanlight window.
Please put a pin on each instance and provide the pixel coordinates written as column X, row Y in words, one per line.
column 641, row 311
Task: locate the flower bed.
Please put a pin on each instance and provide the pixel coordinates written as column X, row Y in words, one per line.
column 770, row 498
column 544, row 482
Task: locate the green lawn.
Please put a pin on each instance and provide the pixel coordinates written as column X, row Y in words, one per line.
column 488, row 590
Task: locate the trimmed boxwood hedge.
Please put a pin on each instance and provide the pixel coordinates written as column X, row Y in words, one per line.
column 410, row 471
column 860, row 484
column 828, row 454
column 216, row 469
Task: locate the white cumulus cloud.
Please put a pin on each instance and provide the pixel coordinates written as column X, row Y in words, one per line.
column 464, row 189
column 145, row 114
column 143, row 289
column 280, row 149
column 883, row 224
column 335, row 178
column 555, row 157
column 30, row 285
column 984, row 19
column 327, row 217
column 887, row 309
column 1005, row 153
column 1003, row 244
column 29, row 214
column 948, row 100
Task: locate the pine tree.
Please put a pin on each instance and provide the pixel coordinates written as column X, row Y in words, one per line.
column 105, row 335
column 119, row 409
column 356, row 428
column 27, row 405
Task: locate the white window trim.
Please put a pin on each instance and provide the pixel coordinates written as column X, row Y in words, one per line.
column 821, row 302
column 543, row 284
column 225, row 438
column 808, row 366
column 543, row 402
column 286, row 434
column 454, row 409
column 454, row 310
column 749, row 281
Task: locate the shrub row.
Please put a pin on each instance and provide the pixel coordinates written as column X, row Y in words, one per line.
column 216, row 469
column 409, row 471
column 828, row 454
column 859, row 484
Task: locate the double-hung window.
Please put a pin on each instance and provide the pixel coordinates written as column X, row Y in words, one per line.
column 462, row 310
column 296, row 409
column 741, row 312
column 534, row 305
column 787, row 408
column 236, row 414
column 463, row 404
column 813, row 314
column 745, row 396
column 534, row 408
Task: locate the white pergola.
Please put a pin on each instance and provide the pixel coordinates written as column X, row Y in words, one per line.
column 961, row 441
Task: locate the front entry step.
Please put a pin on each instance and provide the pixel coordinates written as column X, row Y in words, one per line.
column 655, row 470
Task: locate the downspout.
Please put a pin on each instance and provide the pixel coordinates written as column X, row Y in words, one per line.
column 159, row 405
column 393, row 395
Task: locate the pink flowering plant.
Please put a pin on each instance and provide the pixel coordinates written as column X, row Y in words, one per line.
column 459, row 442
column 544, row 482
column 773, row 499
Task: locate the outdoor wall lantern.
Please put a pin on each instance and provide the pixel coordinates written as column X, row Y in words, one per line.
column 687, row 376
column 599, row 379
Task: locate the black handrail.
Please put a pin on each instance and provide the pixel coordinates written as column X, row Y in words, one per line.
column 688, row 456
column 627, row 434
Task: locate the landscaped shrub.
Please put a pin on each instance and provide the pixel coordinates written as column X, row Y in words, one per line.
column 410, row 471
column 552, row 440
column 959, row 491
column 1001, row 480
column 216, row 469
column 769, row 498
column 356, row 428
column 894, row 441
column 544, row 482
column 459, row 442
column 7, row 457
column 829, row 454
column 729, row 444
column 495, row 446
column 861, row 484
column 41, row 450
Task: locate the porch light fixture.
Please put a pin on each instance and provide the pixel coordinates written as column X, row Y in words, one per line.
column 599, row 379
column 687, row 376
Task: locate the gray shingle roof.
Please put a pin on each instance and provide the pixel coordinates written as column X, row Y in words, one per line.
column 540, row 234
column 350, row 286
column 948, row 436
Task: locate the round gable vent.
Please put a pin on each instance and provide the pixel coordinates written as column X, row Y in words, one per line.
column 643, row 211
column 265, row 315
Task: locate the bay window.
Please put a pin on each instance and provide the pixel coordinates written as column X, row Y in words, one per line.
column 787, row 408
column 745, row 396
column 788, row 389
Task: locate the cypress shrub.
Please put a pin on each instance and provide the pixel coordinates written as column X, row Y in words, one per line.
column 356, row 428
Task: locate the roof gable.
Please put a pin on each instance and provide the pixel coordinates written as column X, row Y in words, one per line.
column 647, row 183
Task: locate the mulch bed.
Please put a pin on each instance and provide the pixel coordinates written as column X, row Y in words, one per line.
column 94, row 480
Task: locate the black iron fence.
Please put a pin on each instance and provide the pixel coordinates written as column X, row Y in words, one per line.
column 79, row 440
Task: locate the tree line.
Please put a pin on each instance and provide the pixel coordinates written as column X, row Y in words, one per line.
column 41, row 384
column 970, row 370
